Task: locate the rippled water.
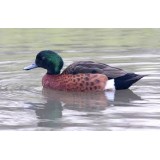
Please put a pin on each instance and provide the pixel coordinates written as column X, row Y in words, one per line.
column 25, row 105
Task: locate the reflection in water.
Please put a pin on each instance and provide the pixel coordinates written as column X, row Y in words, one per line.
column 78, row 100
column 51, row 111
column 126, row 96
column 56, row 101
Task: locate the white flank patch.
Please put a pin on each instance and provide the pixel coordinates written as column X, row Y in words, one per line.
column 110, row 85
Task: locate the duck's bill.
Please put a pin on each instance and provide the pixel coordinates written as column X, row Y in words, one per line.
column 32, row 66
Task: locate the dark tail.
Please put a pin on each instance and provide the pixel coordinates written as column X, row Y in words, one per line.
column 124, row 82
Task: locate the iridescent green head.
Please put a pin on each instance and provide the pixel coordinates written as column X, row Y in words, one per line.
column 49, row 60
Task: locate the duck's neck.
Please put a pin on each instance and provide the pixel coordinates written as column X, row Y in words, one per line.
column 53, row 72
column 54, row 68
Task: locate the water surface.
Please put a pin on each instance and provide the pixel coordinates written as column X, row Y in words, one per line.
column 25, row 105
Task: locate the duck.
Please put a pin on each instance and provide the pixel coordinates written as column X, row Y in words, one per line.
column 81, row 76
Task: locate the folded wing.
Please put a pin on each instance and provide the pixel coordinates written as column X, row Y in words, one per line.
column 93, row 67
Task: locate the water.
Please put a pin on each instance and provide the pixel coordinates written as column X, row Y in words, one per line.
column 25, row 105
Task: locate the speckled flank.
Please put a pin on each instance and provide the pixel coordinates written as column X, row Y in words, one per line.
column 78, row 82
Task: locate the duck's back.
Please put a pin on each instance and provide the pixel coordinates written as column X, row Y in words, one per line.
column 93, row 67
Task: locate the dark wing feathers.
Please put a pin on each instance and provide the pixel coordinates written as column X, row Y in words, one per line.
column 93, row 67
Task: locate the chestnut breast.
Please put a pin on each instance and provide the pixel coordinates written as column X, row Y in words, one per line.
column 77, row 82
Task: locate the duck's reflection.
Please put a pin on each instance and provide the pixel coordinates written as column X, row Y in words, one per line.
column 126, row 96
column 77, row 100
column 56, row 101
